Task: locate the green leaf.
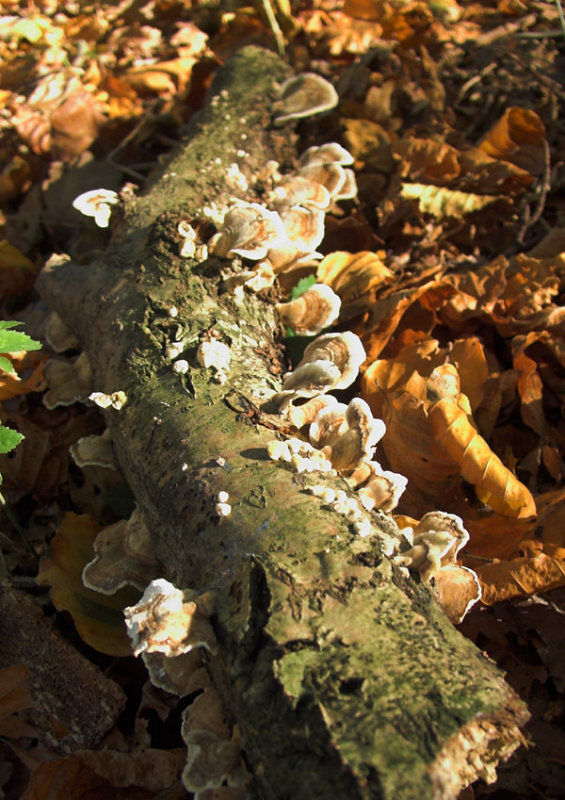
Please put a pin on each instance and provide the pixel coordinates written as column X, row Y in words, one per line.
column 6, row 364
column 302, row 285
column 9, row 439
column 14, row 341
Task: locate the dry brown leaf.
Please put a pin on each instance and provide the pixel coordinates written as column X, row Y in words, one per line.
column 28, row 376
column 106, row 775
column 444, row 203
column 450, row 417
column 427, row 161
column 352, row 276
column 75, row 124
column 15, row 696
column 517, row 137
column 98, row 618
column 520, row 577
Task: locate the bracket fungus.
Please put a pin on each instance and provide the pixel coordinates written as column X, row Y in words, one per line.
column 249, row 230
column 303, row 96
column 312, row 311
column 436, row 540
column 349, row 443
column 170, row 621
column 59, row 336
column 97, row 203
column 212, row 761
column 331, row 361
column 124, row 556
column 181, row 675
column 94, row 451
column 69, row 382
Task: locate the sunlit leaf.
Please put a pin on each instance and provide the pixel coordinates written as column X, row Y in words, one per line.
column 442, row 203
column 517, row 137
column 449, row 413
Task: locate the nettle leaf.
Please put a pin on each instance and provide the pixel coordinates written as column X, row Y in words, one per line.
column 302, row 285
column 14, row 341
column 6, row 364
column 9, row 439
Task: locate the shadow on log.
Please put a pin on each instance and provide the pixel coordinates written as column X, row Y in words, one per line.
column 344, row 677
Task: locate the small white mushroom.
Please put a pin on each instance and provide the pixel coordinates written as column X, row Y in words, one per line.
column 116, row 400
column 303, row 96
column 215, row 355
column 98, row 204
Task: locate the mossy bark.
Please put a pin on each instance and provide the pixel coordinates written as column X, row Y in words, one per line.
column 343, row 676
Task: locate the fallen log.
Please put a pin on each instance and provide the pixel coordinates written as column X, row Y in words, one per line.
column 343, row 675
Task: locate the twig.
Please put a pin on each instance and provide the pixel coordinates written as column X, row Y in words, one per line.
column 274, row 25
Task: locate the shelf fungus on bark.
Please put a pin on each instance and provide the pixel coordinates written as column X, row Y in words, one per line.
column 181, row 675
column 376, row 487
column 94, row 451
column 97, row 203
column 68, row 382
column 327, row 165
column 348, row 441
column 296, row 190
column 303, row 96
column 331, row 361
column 304, row 227
column 306, row 413
column 170, row 621
column 301, row 455
column 309, row 313
column 211, row 762
column 59, row 336
column 249, row 230
column 123, row 555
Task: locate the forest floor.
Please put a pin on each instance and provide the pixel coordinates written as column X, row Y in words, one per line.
column 453, row 115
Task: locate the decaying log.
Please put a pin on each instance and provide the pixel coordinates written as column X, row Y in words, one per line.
column 344, row 677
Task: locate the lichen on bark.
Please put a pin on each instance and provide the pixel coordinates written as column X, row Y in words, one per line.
column 343, row 676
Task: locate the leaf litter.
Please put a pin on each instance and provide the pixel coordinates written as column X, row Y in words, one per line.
column 449, row 266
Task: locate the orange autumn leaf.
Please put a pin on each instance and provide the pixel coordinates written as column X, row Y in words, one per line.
column 28, row 376
column 444, row 203
column 427, row 161
column 15, row 696
column 106, row 775
column 518, row 137
column 352, row 276
column 450, row 417
column 520, row 577
column 98, row 618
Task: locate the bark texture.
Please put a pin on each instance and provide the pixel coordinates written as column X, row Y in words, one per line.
column 344, row 677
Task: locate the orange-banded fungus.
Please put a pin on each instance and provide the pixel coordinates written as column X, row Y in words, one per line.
column 124, row 555
column 249, row 230
column 168, row 620
column 309, row 313
column 303, row 96
column 69, row 382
